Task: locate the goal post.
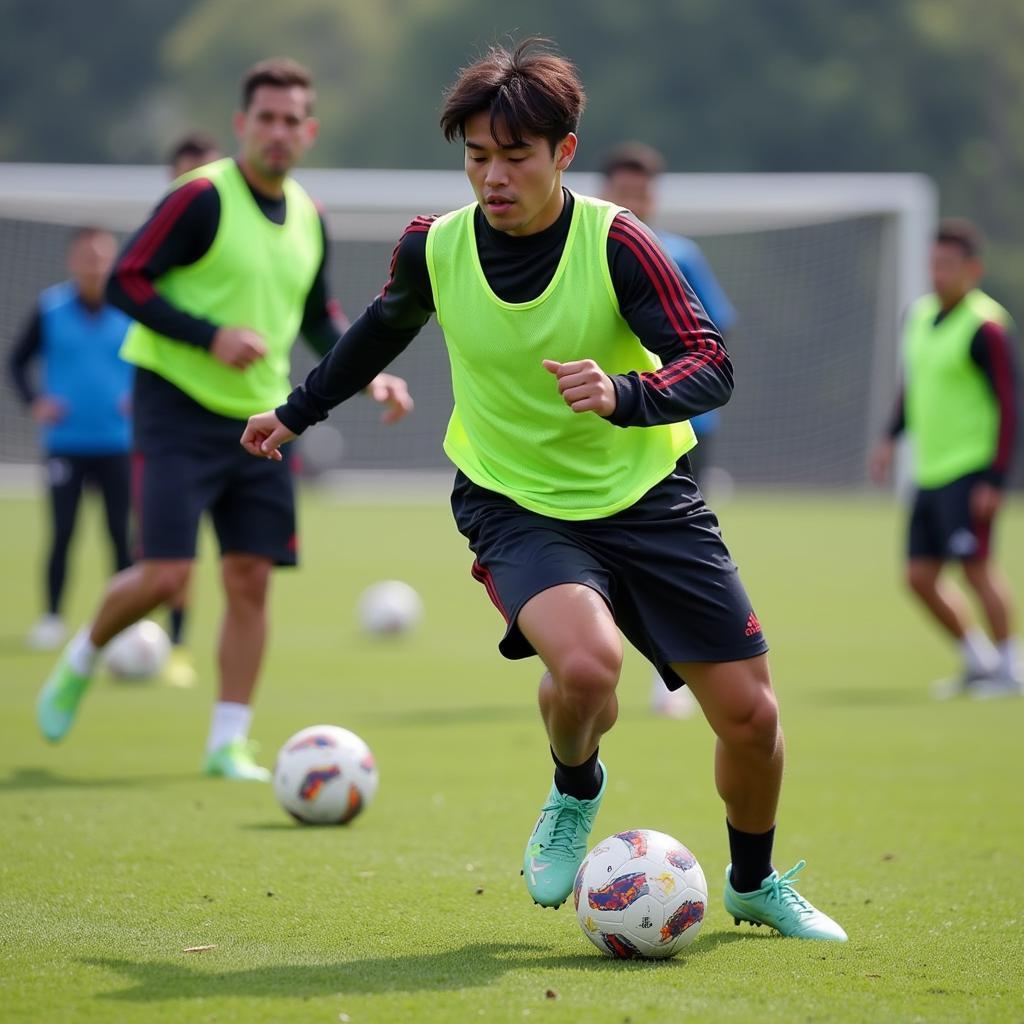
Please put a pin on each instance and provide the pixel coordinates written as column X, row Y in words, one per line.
column 819, row 267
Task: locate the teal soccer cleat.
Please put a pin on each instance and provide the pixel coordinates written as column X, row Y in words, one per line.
column 778, row 905
column 558, row 845
column 58, row 700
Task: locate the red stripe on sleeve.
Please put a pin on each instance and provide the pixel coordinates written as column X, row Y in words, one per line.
column 667, row 271
column 704, row 350
column 130, row 269
column 1002, row 382
column 419, row 225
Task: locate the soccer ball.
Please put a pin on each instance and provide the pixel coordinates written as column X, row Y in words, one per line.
column 138, row 652
column 389, row 608
column 325, row 775
column 640, row 894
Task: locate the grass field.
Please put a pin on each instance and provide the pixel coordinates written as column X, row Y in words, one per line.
column 115, row 857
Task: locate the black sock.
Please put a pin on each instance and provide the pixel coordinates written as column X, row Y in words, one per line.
column 751, row 857
column 582, row 781
column 177, row 625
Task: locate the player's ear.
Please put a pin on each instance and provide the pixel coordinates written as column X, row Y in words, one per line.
column 238, row 123
column 311, row 130
column 565, row 151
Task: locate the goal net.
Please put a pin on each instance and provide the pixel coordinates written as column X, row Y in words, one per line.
column 819, row 268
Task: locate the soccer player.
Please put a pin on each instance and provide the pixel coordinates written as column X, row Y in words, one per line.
column 958, row 404
column 82, row 405
column 573, row 487
column 630, row 173
column 219, row 280
column 193, row 150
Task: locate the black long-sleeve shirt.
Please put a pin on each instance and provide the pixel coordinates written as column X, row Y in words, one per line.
column 992, row 352
column 178, row 233
column 655, row 300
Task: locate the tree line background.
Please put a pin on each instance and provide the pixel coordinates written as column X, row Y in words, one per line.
column 935, row 86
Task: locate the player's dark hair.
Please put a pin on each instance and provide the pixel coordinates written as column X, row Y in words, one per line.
column 86, row 233
column 528, row 91
column 633, row 156
column 960, row 232
column 280, row 73
column 195, row 144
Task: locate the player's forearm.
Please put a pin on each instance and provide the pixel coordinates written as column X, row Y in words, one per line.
column 898, row 418
column 356, row 358
column 678, row 391
column 22, row 355
column 136, row 296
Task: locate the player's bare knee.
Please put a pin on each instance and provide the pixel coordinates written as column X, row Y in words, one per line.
column 246, row 580
column 920, row 579
column 977, row 575
column 587, row 678
column 165, row 579
column 754, row 725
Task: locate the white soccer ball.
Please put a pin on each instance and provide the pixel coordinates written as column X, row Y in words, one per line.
column 640, row 894
column 138, row 652
column 389, row 608
column 325, row 775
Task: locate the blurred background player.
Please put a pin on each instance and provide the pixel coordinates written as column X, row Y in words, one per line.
column 630, row 173
column 219, row 281
column 958, row 404
column 191, row 151
column 82, row 404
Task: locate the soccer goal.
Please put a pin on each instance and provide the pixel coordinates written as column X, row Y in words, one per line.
column 819, row 268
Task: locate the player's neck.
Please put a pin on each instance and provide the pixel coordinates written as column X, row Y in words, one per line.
column 272, row 188
column 92, row 301
column 950, row 302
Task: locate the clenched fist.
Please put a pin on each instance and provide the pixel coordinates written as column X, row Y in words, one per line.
column 584, row 386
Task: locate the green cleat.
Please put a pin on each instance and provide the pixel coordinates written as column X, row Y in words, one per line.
column 235, row 760
column 778, row 905
column 558, row 845
column 58, row 700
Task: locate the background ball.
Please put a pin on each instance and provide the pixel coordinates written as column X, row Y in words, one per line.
column 389, row 608
column 325, row 775
column 138, row 652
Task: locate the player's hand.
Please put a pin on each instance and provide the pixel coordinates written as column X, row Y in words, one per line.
column 264, row 434
column 985, row 502
column 880, row 460
column 46, row 410
column 584, row 386
column 392, row 392
column 237, row 346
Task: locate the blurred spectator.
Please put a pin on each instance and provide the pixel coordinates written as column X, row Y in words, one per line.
column 82, row 406
column 193, row 150
column 630, row 174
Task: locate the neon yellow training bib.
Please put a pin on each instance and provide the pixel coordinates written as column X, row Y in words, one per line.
column 511, row 431
column 952, row 415
column 256, row 274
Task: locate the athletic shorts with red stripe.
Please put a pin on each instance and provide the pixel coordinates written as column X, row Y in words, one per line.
column 941, row 524
column 660, row 565
column 187, row 461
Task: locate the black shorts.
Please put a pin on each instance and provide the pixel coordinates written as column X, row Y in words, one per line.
column 661, row 565
column 941, row 524
column 188, row 461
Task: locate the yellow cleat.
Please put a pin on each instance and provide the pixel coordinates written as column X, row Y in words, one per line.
column 179, row 670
